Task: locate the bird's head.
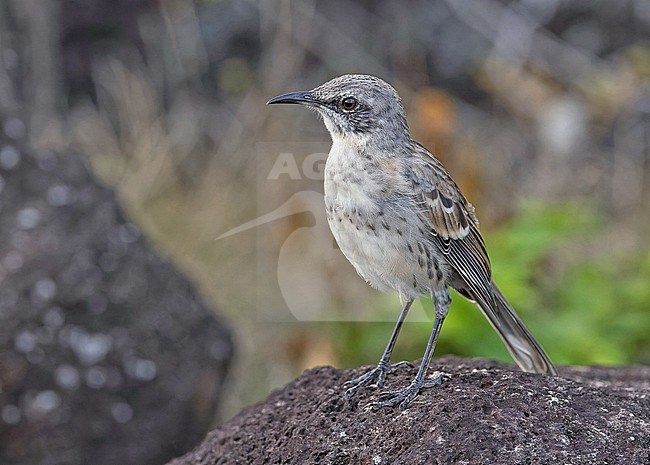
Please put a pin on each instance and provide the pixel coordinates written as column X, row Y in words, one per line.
column 355, row 105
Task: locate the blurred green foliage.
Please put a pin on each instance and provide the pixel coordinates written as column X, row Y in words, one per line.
column 591, row 311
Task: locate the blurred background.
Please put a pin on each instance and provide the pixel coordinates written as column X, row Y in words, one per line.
column 540, row 109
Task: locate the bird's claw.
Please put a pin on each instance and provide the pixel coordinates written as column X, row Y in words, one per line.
column 373, row 378
column 403, row 397
column 403, row 363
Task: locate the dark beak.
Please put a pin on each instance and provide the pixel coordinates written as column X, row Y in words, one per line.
column 303, row 98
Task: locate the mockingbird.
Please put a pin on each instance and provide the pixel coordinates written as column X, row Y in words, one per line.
column 403, row 223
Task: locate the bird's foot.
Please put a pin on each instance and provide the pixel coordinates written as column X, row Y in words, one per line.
column 372, row 378
column 403, row 397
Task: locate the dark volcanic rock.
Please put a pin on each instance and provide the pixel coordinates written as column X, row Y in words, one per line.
column 107, row 355
column 486, row 413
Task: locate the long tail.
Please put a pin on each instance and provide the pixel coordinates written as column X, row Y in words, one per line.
column 521, row 344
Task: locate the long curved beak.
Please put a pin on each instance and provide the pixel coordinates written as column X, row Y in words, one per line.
column 302, row 98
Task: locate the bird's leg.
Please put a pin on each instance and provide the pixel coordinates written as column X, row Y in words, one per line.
column 377, row 375
column 404, row 396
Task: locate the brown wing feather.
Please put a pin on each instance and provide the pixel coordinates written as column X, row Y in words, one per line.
column 453, row 222
column 447, row 216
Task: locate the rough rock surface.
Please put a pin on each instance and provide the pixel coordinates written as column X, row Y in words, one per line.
column 486, row 413
column 107, row 355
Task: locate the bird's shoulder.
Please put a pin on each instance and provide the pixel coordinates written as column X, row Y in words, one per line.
column 453, row 223
column 452, row 216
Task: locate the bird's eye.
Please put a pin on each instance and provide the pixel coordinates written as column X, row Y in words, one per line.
column 349, row 103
